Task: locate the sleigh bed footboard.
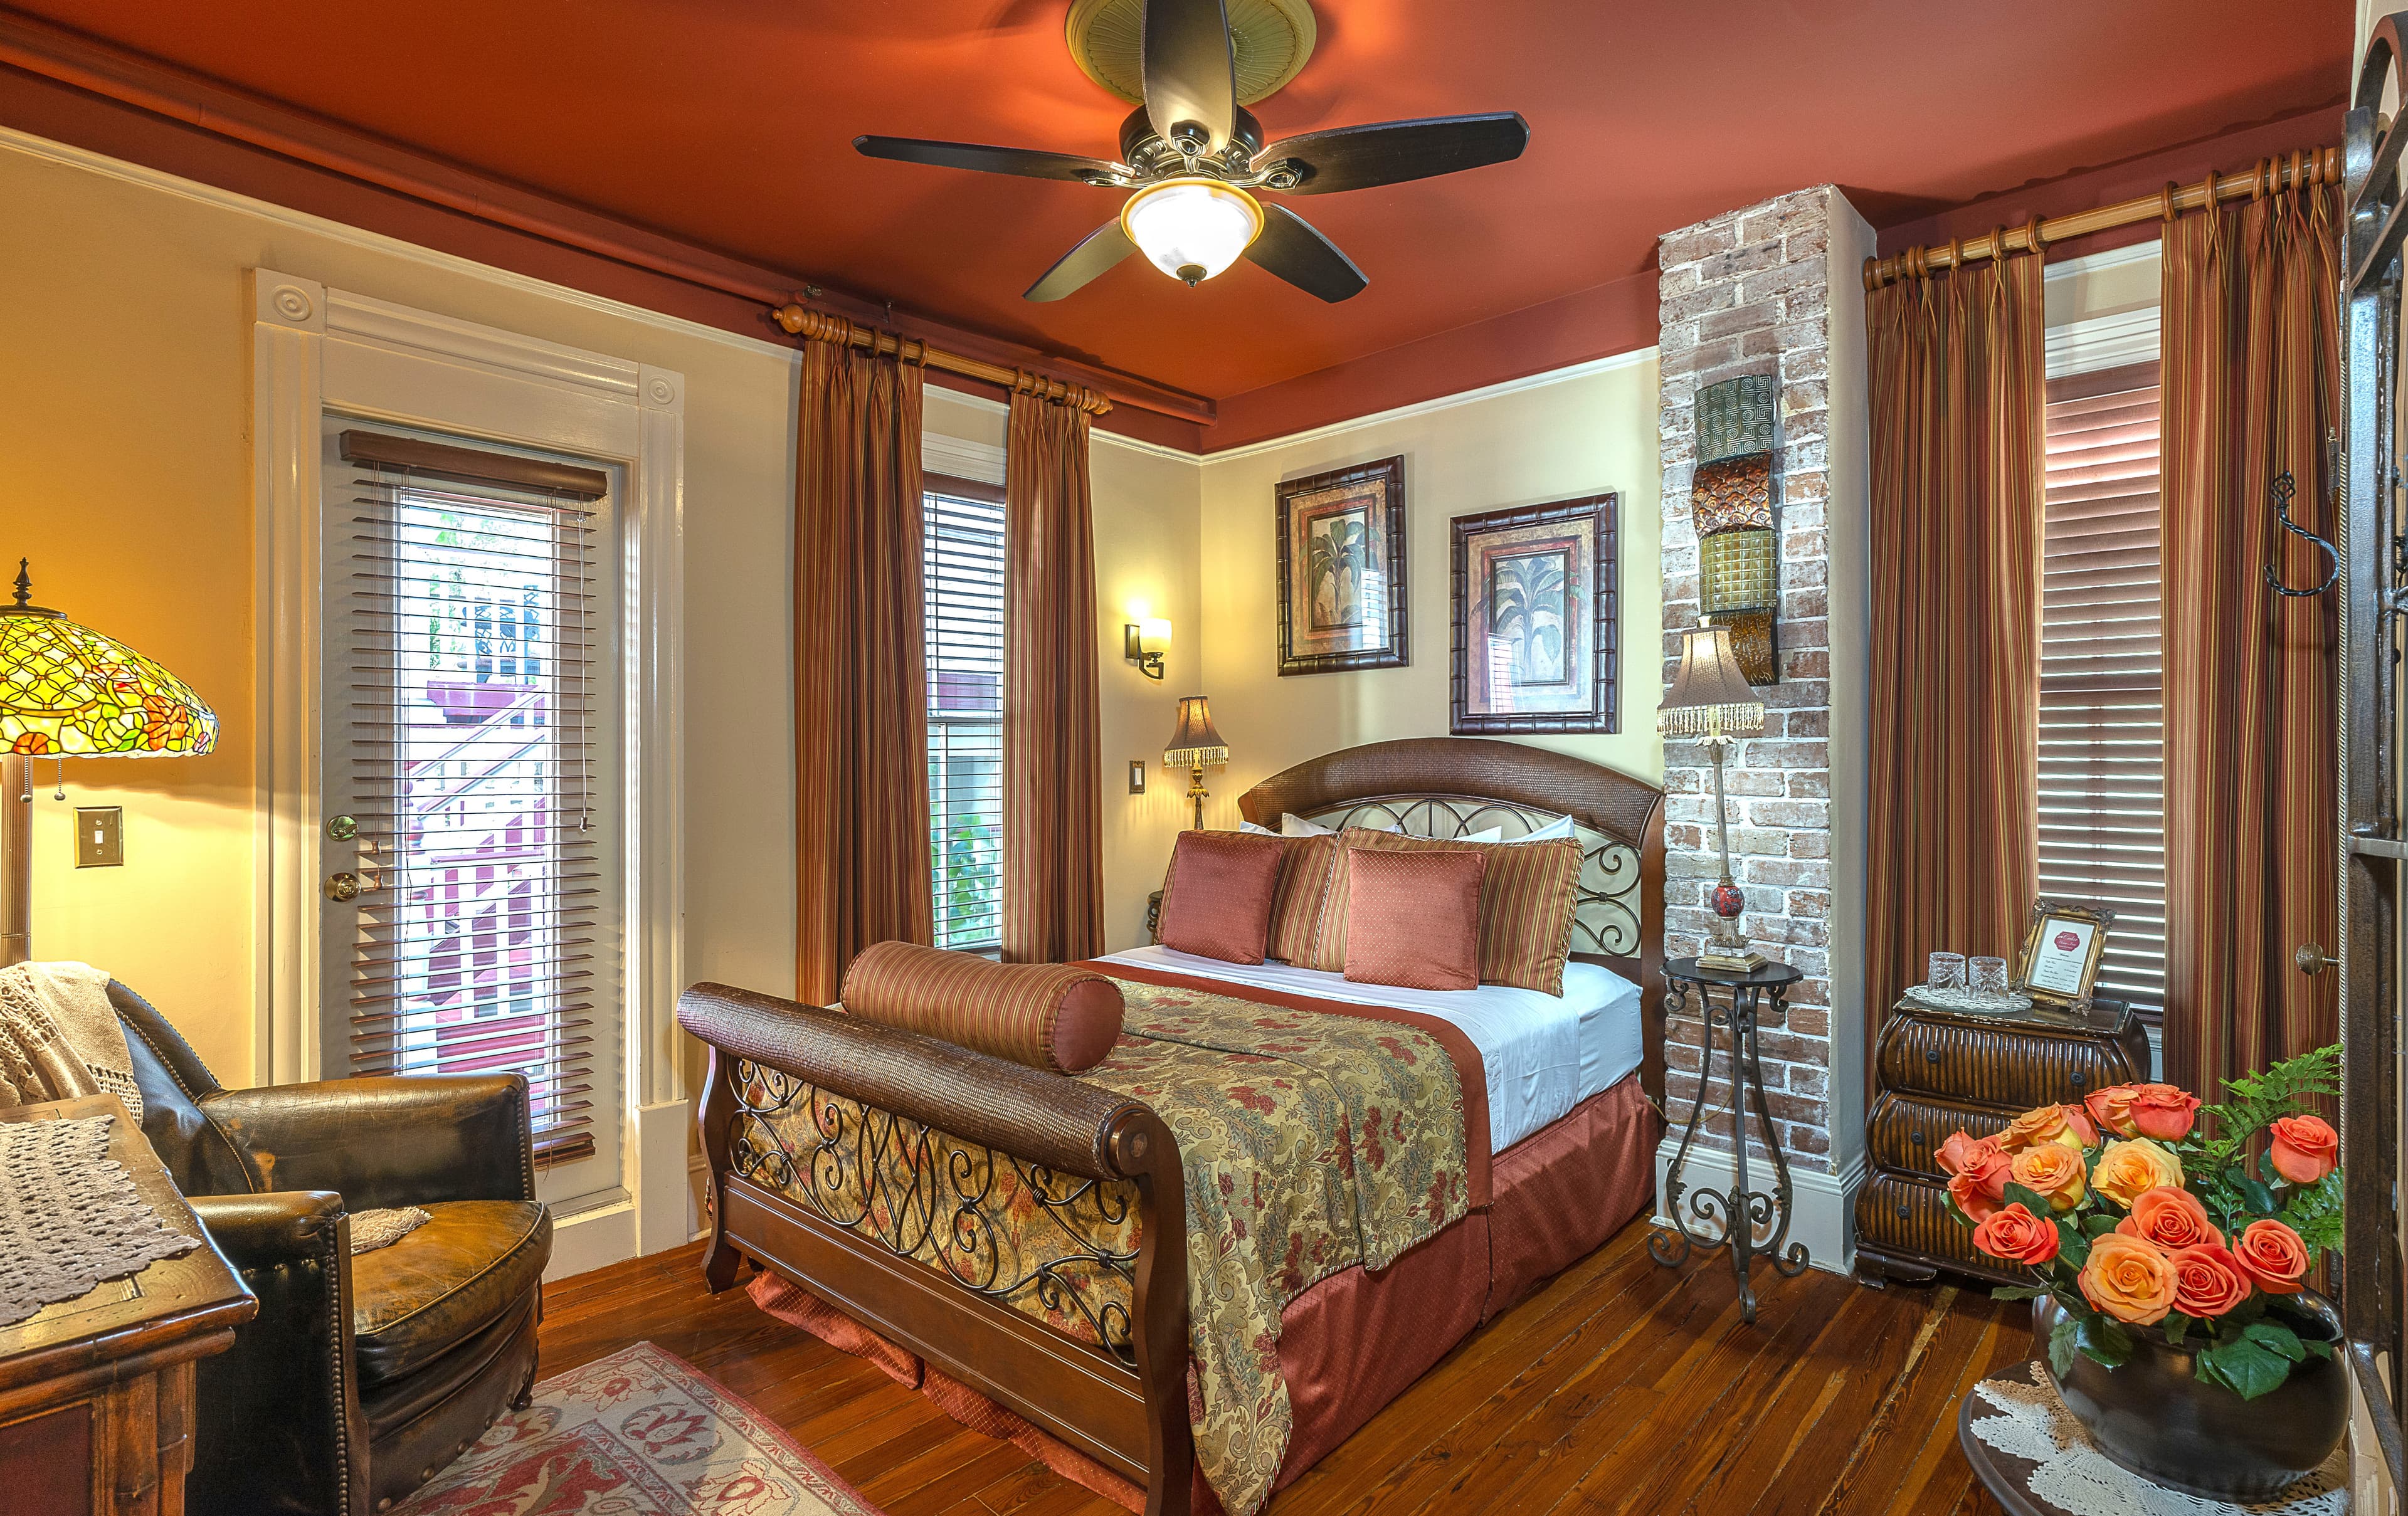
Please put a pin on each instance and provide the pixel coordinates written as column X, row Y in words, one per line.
column 869, row 1164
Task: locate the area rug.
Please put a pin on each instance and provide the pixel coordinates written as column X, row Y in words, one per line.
column 641, row 1433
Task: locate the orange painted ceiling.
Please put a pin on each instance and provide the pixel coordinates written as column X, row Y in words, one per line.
column 729, row 122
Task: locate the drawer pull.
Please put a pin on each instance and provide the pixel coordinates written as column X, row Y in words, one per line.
column 1902, row 1209
column 2079, row 1078
column 1931, row 1056
column 1915, row 1138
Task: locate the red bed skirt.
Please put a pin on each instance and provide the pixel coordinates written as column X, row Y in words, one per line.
column 1357, row 1340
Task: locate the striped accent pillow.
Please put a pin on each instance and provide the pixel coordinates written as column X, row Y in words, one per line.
column 1413, row 918
column 1306, row 873
column 1048, row 1016
column 1527, row 895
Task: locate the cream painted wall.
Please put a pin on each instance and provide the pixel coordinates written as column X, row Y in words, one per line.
column 1579, row 435
column 128, row 482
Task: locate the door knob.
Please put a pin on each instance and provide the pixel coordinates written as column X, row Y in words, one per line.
column 343, row 886
column 2308, row 958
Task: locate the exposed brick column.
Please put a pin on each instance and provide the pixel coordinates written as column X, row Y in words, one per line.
column 1749, row 293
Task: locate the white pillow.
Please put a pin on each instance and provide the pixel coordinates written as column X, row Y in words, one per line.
column 1486, row 834
column 1258, row 831
column 1558, row 828
column 1292, row 825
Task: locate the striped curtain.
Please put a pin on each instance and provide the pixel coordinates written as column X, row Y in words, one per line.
column 1957, row 383
column 861, row 736
column 1053, row 794
column 2252, row 386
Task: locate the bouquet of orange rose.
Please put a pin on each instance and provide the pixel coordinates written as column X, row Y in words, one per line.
column 2138, row 1209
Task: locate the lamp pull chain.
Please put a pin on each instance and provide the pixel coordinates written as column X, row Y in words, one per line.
column 58, row 778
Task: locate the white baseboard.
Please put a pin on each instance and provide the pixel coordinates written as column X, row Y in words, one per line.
column 663, row 1186
column 1824, row 1206
column 591, row 1239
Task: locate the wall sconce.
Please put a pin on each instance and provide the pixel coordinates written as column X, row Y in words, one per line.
column 1143, row 643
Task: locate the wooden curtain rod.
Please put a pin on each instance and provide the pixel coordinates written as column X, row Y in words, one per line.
column 819, row 326
column 2321, row 165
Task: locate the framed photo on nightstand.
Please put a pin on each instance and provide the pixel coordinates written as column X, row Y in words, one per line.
column 2061, row 951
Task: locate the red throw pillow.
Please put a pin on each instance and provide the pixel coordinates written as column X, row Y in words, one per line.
column 1217, row 900
column 1412, row 919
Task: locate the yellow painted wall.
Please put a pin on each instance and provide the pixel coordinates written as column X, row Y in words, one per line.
column 1554, row 441
column 126, row 475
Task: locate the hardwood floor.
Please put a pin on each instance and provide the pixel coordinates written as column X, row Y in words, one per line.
column 1620, row 1388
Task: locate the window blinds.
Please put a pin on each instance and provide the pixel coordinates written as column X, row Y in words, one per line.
column 2102, row 670
column 962, row 544
column 467, row 634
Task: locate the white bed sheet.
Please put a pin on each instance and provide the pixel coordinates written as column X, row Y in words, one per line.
column 1543, row 1053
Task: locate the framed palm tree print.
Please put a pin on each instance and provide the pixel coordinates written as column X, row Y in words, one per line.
column 1536, row 618
column 1341, row 570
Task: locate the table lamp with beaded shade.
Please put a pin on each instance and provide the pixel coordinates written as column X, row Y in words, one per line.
column 68, row 691
column 1711, row 702
column 1194, row 745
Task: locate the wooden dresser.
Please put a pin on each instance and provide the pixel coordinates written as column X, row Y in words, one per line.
column 96, row 1392
column 1939, row 1071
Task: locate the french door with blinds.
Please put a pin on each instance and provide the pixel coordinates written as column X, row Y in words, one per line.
column 470, row 775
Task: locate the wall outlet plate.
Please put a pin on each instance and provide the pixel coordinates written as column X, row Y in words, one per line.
column 100, row 836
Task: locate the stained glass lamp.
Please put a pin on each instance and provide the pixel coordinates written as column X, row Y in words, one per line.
column 67, row 691
column 1193, row 746
column 1711, row 702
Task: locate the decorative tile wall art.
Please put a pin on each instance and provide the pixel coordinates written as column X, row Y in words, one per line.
column 1730, row 499
column 1341, row 570
column 1537, row 620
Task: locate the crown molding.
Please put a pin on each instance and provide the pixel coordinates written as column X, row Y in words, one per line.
column 1445, row 402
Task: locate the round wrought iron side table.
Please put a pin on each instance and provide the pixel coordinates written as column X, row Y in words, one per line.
column 1730, row 1218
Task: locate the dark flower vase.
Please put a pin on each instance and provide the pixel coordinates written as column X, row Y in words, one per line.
column 2155, row 1417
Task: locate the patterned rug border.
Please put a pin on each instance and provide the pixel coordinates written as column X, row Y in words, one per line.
column 805, row 1465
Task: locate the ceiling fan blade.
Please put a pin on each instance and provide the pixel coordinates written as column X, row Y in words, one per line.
column 1104, row 247
column 1391, row 152
column 1290, row 248
column 1191, row 73
column 1027, row 162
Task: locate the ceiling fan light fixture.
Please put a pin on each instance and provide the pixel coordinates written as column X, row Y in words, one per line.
column 1192, row 228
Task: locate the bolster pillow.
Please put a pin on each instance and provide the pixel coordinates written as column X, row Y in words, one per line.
column 1048, row 1016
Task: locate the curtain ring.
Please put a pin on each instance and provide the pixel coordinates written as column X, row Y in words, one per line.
column 2209, row 205
column 2166, row 199
column 2032, row 236
column 1956, row 252
column 1997, row 244
column 2297, row 168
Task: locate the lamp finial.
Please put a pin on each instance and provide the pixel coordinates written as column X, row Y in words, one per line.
column 24, row 584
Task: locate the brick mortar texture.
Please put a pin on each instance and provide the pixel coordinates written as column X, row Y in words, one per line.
column 1749, row 293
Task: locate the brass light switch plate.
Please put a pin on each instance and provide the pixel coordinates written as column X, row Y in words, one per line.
column 1137, row 776
column 100, row 836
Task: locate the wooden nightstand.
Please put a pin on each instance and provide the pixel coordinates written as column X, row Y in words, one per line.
column 96, row 1392
column 1943, row 1070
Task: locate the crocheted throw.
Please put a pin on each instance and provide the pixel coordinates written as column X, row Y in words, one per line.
column 70, row 1217
column 60, row 1037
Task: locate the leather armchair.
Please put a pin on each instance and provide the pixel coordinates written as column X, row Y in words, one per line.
column 361, row 1377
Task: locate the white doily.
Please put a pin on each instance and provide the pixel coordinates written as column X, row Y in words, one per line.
column 70, row 1217
column 2013, row 1003
column 2074, row 1475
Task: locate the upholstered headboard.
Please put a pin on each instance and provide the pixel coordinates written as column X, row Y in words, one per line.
column 1447, row 787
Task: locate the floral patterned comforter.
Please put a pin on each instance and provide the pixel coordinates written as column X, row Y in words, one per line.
column 1312, row 1141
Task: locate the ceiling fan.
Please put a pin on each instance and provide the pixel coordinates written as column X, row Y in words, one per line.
column 1196, row 159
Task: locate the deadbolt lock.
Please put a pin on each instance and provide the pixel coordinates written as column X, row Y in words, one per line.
column 342, row 828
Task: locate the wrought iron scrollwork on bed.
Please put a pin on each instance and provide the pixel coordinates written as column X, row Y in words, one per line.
column 1607, row 917
column 1004, row 1228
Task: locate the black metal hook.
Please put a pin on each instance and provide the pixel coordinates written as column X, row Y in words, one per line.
column 2280, row 493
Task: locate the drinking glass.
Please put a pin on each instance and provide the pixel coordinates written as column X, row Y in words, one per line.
column 1989, row 975
column 1948, row 971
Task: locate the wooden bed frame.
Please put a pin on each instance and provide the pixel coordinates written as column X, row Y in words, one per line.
column 1123, row 1402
